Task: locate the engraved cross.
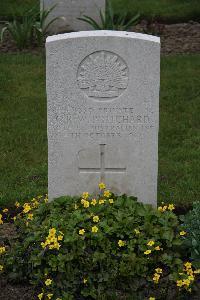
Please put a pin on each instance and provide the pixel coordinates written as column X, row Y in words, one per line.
column 102, row 170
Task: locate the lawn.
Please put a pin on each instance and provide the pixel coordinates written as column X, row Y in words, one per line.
column 16, row 7
column 168, row 10
column 23, row 142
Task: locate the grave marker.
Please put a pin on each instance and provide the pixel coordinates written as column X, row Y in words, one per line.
column 71, row 10
column 103, row 113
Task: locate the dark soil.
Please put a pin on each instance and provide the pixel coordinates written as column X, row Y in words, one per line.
column 16, row 292
column 183, row 38
column 9, row 291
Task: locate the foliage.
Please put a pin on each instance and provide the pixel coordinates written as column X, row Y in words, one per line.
column 175, row 11
column 192, row 241
column 41, row 25
column 109, row 21
column 32, row 28
column 21, row 32
column 99, row 248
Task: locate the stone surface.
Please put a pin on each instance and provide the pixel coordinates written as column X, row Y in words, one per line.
column 103, row 113
column 71, row 10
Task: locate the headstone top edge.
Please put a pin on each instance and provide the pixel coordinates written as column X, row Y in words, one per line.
column 103, row 33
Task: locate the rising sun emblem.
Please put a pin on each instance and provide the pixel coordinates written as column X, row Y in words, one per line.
column 103, row 75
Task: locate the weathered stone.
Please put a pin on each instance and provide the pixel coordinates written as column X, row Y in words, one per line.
column 70, row 10
column 103, row 113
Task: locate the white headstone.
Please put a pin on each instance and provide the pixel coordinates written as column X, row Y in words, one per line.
column 71, row 10
column 103, row 113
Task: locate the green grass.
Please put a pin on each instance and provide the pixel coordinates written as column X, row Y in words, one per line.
column 23, row 143
column 16, row 7
column 179, row 150
column 168, row 10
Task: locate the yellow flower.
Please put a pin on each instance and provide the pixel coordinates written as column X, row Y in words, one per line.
column 157, row 248
column 52, row 231
column 85, row 280
column 152, row 298
column 94, row 202
column 136, row 231
column 188, row 265
column 2, row 250
column 60, row 237
column 57, row 246
column 17, row 204
column 35, row 204
column 197, row 271
column 30, row 216
column 1, row 221
column 26, row 207
column 156, row 277
column 121, row 243
column 186, row 282
column 191, row 277
column 14, row 218
column 189, row 271
column 102, row 186
column 86, row 204
column 162, row 209
column 107, row 194
column 179, row 283
column 183, row 233
column 171, row 207
column 95, row 229
column 1, row 267
column 85, row 195
column 101, row 201
column 43, row 245
column 48, row 282
column 96, row 219
column 111, row 201
column 147, row 252
column 75, row 206
column 49, row 296
column 150, row 243
column 5, row 210
column 159, row 270
column 46, row 199
column 81, row 231
column 40, row 296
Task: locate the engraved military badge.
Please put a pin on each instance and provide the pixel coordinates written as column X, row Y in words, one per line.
column 103, row 75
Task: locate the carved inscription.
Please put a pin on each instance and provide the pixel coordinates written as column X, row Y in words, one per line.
column 103, row 75
column 106, row 122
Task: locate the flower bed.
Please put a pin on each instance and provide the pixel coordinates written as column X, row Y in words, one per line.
column 103, row 247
